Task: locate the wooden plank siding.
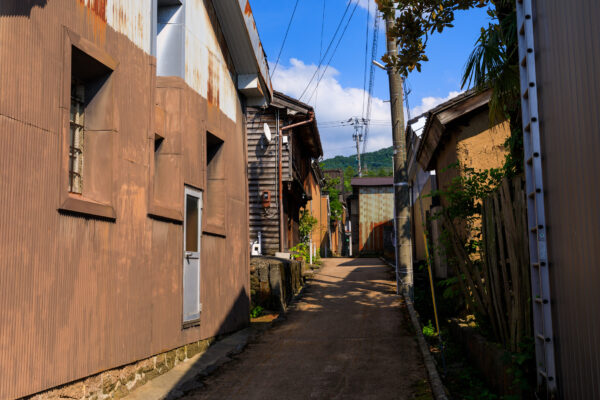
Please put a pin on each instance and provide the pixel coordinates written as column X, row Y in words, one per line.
column 300, row 146
column 262, row 176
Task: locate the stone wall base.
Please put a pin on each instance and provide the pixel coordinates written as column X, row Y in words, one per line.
column 119, row 382
column 275, row 281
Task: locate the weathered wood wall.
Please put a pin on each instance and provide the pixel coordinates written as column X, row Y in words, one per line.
column 263, row 176
column 506, row 263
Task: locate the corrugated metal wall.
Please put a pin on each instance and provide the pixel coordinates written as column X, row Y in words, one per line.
column 568, row 67
column 80, row 295
column 376, row 212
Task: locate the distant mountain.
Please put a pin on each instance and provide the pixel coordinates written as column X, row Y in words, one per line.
column 373, row 161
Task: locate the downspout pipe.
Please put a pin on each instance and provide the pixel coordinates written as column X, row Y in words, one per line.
column 310, row 120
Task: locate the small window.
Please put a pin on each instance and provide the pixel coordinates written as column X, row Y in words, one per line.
column 169, row 40
column 89, row 79
column 191, row 223
column 215, row 185
column 88, row 137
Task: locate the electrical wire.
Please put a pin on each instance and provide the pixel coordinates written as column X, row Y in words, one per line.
column 321, row 48
column 335, row 49
column 366, row 58
column 285, row 38
column 328, row 48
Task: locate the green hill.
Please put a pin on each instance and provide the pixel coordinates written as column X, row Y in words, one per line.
column 376, row 162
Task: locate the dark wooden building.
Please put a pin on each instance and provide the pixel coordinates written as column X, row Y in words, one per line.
column 280, row 161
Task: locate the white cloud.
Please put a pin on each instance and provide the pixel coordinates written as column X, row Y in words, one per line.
column 427, row 103
column 365, row 4
column 337, row 103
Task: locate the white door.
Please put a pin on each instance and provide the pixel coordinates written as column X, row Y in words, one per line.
column 192, row 229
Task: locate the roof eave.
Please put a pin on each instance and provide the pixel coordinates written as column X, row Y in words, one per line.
column 440, row 117
column 243, row 40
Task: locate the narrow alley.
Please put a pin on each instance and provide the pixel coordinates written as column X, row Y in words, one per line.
column 348, row 337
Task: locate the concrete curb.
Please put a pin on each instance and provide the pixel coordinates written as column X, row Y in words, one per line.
column 437, row 386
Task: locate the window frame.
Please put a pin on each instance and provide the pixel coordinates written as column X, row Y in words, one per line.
column 218, row 228
column 74, row 202
column 198, row 194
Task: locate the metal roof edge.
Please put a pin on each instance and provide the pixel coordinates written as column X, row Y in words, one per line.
column 239, row 12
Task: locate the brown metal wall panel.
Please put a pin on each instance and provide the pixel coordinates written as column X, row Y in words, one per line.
column 80, row 295
column 376, row 211
column 568, row 51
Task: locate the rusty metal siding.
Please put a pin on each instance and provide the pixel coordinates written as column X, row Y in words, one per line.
column 568, row 52
column 80, row 295
column 376, row 212
column 207, row 70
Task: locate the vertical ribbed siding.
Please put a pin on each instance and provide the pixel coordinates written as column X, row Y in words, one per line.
column 568, row 49
column 80, row 295
column 376, row 210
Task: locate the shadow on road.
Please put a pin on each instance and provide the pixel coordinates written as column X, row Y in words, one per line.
column 342, row 339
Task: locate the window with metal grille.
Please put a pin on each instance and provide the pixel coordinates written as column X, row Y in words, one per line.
column 77, row 129
column 88, row 136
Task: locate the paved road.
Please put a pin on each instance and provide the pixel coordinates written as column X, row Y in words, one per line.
column 349, row 337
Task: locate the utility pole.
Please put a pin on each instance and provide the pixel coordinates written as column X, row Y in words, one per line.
column 357, row 136
column 404, row 267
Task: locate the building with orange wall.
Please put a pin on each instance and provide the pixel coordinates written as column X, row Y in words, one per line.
column 455, row 133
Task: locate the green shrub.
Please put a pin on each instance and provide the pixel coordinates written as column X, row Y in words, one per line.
column 256, row 312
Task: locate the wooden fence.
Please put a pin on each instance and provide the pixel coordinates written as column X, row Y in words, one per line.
column 497, row 283
column 506, row 262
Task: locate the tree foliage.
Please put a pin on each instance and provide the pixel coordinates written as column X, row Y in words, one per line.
column 335, row 205
column 307, row 225
column 416, row 21
column 349, row 173
column 493, row 63
column 373, row 160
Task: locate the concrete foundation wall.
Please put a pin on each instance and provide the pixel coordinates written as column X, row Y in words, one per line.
column 275, row 281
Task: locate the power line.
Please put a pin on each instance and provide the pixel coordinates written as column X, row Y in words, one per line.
column 335, row 49
column 328, row 47
column 371, row 80
column 285, row 37
column 366, row 57
column 321, row 48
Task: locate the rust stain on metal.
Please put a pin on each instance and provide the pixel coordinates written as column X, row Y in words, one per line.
column 248, row 9
column 212, row 92
column 95, row 10
column 98, row 7
column 91, row 266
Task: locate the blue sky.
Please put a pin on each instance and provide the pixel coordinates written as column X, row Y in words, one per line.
column 340, row 93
